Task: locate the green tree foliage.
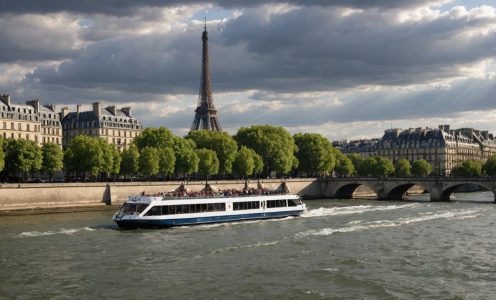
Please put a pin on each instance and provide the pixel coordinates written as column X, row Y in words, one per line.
column 154, row 137
column 111, row 159
column 53, row 158
column 384, row 166
column 315, row 154
column 344, row 165
column 167, row 160
column 402, row 168
column 149, row 161
column 22, row 156
column 490, row 166
column 186, row 157
column 273, row 143
column 244, row 163
column 357, row 161
column 130, row 160
column 421, row 168
column 84, row 154
column 222, row 143
column 209, row 163
column 468, row 167
column 2, row 154
column 258, row 164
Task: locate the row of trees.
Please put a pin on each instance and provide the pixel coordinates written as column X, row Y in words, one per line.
column 21, row 157
column 251, row 151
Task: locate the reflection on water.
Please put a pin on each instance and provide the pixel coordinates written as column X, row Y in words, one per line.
column 352, row 249
column 486, row 196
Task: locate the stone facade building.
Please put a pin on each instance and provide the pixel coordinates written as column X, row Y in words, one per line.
column 40, row 124
column 117, row 126
column 442, row 147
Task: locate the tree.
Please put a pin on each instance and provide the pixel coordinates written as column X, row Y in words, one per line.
column 468, row 167
column 315, row 154
column 258, row 163
column 209, row 163
column 222, row 143
column 344, row 165
column 402, row 168
column 367, row 167
column 421, row 168
column 84, row 154
column 22, row 156
column 2, row 155
column 186, row 157
column 53, row 159
column 490, row 166
column 167, row 160
column 357, row 161
column 244, row 164
column 149, row 161
column 383, row 167
column 154, row 137
column 111, row 159
column 130, row 160
column 273, row 143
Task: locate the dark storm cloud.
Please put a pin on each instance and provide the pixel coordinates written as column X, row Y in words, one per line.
column 306, row 49
column 127, row 7
column 36, row 38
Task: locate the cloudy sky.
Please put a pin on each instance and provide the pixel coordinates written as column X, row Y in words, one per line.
column 342, row 68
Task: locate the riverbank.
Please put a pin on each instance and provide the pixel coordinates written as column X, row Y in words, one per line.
column 34, row 198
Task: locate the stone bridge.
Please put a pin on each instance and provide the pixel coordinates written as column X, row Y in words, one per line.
column 439, row 188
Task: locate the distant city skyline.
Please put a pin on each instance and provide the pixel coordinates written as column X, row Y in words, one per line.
column 345, row 69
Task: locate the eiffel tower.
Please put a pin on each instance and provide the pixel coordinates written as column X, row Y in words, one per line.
column 205, row 112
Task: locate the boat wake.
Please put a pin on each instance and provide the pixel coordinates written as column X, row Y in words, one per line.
column 256, row 245
column 348, row 210
column 366, row 225
column 50, row 232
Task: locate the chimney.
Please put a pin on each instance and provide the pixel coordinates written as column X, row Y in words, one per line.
column 485, row 134
column 5, row 99
column 78, row 110
column 63, row 112
column 111, row 108
column 126, row 110
column 34, row 103
column 96, row 109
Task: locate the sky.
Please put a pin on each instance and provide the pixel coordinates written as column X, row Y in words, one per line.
column 346, row 69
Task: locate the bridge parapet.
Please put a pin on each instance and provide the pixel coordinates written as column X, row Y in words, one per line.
column 394, row 188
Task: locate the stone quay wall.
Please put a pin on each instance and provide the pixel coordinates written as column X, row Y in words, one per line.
column 38, row 196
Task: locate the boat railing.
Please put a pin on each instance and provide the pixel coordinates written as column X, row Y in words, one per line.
column 220, row 194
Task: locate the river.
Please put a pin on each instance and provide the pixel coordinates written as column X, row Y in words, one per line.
column 339, row 249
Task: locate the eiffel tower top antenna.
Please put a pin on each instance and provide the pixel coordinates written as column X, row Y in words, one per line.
column 205, row 112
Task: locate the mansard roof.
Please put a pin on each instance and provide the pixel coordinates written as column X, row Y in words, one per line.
column 424, row 137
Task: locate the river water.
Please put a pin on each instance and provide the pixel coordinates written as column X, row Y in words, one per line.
column 339, row 249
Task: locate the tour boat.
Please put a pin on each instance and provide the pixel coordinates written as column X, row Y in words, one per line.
column 144, row 211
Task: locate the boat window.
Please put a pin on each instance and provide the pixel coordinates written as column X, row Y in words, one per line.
column 246, row 205
column 141, row 207
column 127, row 209
column 292, row 202
column 192, row 208
column 154, row 211
column 132, row 209
column 276, row 203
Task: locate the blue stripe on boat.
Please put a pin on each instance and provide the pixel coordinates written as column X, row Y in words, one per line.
column 204, row 220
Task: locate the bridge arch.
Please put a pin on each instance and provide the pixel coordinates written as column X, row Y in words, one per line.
column 399, row 192
column 447, row 191
column 346, row 191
